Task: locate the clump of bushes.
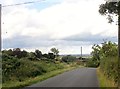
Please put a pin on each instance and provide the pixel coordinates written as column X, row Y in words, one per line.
column 18, row 65
column 20, row 69
column 106, row 57
column 92, row 63
column 68, row 58
column 14, row 69
column 109, row 66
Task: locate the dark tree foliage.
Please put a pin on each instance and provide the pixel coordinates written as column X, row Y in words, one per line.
column 55, row 51
column 109, row 49
column 18, row 65
column 38, row 54
column 113, row 8
column 96, row 52
column 105, row 56
column 95, row 60
column 16, row 53
column 24, row 53
column 109, row 9
column 45, row 55
column 68, row 58
column 51, row 56
column 8, row 52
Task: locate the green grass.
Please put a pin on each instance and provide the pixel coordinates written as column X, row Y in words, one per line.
column 30, row 81
column 104, row 81
column 0, row 86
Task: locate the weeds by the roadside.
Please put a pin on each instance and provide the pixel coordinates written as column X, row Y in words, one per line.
column 29, row 81
column 104, row 82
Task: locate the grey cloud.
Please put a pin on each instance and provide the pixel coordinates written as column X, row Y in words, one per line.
column 88, row 37
column 25, row 42
column 45, row 41
column 34, row 42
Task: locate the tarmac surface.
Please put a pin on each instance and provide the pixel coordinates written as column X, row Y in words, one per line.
column 81, row 77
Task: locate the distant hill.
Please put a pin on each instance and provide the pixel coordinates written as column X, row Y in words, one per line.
column 77, row 55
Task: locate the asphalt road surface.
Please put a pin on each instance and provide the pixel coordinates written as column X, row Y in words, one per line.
column 81, row 77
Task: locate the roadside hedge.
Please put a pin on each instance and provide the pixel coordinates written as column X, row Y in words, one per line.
column 106, row 55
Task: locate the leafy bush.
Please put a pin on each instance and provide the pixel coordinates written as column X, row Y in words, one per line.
column 68, row 58
column 92, row 63
column 109, row 65
column 20, row 69
column 9, row 66
column 28, row 69
column 106, row 55
column 14, row 69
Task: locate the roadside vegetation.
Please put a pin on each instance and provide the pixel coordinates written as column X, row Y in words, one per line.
column 104, row 81
column 111, row 66
column 0, row 70
column 21, row 68
column 105, row 57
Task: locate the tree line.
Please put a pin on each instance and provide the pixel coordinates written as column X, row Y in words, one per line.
column 36, row 55
column 105, row 56
column 18, row 65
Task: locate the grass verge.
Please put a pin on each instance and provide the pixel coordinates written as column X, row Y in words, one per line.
column 104, row 81
column 30, row 81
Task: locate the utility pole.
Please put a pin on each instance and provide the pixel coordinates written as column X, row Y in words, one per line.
column 0, row 28
column 81, row 52
column 118, row 44
column 0, row 51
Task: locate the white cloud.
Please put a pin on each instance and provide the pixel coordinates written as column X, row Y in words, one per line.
column 59, row 21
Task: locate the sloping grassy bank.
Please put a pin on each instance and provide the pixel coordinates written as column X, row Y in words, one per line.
column 108, row 72
column 30, row 72
column 106, row 56
column 104, row 81
column 21, row 68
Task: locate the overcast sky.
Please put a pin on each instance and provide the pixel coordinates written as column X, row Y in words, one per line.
column 64, row 24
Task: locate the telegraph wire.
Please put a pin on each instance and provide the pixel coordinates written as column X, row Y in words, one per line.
column 22, row 3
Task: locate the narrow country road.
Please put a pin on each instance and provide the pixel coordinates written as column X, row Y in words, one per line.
column 81, row 77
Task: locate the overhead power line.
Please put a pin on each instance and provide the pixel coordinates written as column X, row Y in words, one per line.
column 22, row 3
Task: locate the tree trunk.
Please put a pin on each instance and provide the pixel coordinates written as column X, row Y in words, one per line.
column 0, row 49
column 0, row 28
column 119, row 44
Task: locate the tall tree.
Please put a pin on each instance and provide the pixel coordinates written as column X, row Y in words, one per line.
column 55, row 51
column 109, row 9
column 51, row 55
column 24, row 53
column 17, row 52
column 38, row 53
